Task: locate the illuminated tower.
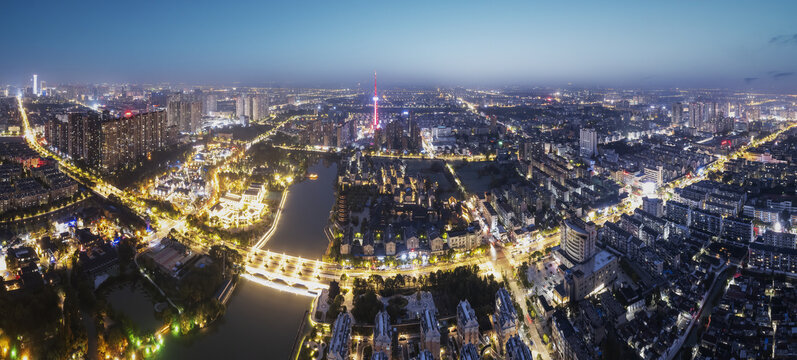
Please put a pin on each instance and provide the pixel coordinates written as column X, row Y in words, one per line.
column 376, row 108
column 36, row 84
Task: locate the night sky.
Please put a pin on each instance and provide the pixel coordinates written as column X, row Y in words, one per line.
column 706, row 43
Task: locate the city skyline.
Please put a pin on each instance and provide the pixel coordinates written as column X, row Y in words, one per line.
column 525, row 180
column 622, row 44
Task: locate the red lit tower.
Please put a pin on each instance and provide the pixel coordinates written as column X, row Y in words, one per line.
column 375, row 125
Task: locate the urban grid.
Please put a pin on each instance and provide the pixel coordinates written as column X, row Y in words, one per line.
column 390, row 216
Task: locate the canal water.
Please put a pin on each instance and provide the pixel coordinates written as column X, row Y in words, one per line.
column 306, row 213
column 261, row 322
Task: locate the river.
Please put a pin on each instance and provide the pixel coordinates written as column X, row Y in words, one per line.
column 306, row 213
column 261, row 322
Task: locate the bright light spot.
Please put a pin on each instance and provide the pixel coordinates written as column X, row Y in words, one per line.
column 649, row 188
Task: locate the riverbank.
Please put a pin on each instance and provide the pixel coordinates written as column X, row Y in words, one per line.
column 260, row 321
column 304, row 215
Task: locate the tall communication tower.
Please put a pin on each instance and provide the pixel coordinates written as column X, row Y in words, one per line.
column 375, row 125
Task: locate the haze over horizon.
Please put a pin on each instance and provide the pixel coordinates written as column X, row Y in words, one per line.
column 740, row 45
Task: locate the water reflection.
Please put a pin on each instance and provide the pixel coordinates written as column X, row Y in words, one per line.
column 260, row 322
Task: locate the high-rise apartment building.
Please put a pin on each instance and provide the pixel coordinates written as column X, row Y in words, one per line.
column 578, row 239
column 588, row 142
column 185, row 113
column 76, row 135
column 704, row 116
column 159, row 99
column 259, row 107
column 100, row 141
column 211, row 103
column 240, row 108
column 130, row 138
column 677, row 113
column 696, row 111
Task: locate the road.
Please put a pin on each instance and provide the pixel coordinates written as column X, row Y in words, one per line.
column 389, row 155
column 314, row 273
column 518, row 292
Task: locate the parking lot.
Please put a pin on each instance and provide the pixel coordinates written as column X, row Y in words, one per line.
column 545, row 275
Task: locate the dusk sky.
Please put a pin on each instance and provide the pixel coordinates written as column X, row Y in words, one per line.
column 738, row 44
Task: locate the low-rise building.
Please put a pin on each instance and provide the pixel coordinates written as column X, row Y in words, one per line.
column 469, row 352
column 780, row 239
column 516, row 349
column 737, row 229
column 425, row 355
column 505, row 320
column 340, row 342
column 430, row 334
column 770, row 257
column 467, row 325
column 382, row 333
column 567, row 343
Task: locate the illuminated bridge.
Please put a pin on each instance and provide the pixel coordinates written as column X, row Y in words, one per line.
column 308, row 277
column 290, row 273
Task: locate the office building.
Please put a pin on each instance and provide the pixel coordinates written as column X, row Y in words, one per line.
column 654, row 175
column 35, row 84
